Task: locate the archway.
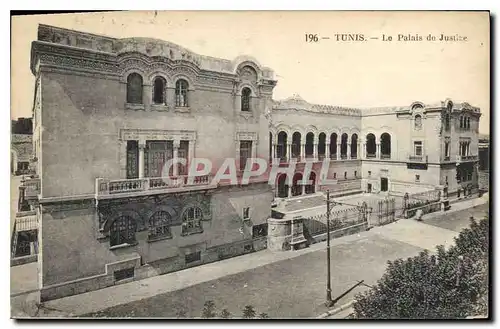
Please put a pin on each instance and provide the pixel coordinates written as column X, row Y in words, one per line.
column 296, row 187
column 311, row 187
column 282, row 186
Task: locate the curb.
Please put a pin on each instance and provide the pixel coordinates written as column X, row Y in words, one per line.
column 336, row 310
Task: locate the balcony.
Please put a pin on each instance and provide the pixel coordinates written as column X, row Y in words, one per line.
column 467, row 158
column 418, row 158
column 151, row 185
column 31, row 188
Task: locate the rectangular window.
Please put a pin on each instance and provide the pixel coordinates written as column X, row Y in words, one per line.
column 156, row 154
column 447, row 149
column 369, row 173
column 193, row 257
column 334, row 175
column 246, row 213
column 417, row 178
column 345, row 174
column 183, row 153
column 132, row 160
column 245, row 153
column 124, row 274
column 418, row 148
column 355, row 173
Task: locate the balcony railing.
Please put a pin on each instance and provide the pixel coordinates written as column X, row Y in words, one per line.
column 418, row 158
column 106, row 187
column 26, row 221
column 385, row 156
column 343, row 156
column 468, row 157
column 371, row 155
column 333, row 156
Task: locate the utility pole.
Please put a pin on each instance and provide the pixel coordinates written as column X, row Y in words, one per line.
column 329, row 302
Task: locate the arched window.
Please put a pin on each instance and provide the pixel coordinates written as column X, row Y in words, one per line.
column 159, row 85
column 309, row 145
column 333, row 146
column 354, row 146
column 385, row 146
column 468, row 123
column 181, row 93
column 282, row 145
column 418, row 122
column 321, row 146
column 159, row 225
column 134, row 88
column 246, row 93
column 296, row 137
column 191, row 221
column 371, row 147
column 122, row 231
column 461, row 121
column 447, row 122
column 343, row 146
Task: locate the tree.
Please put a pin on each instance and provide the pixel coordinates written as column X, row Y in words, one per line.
column 209, row 310
column 451, row 284
column 264, row 316
column 248, row 312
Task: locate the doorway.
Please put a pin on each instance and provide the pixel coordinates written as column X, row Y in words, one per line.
column 369, row 188
column 384, row 184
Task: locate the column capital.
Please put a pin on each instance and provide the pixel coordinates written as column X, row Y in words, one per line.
column 177, row 143
column 141, row 143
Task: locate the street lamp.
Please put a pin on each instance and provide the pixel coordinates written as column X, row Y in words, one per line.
column 328, row 302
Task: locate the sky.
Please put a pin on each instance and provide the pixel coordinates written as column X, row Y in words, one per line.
column 370, row 73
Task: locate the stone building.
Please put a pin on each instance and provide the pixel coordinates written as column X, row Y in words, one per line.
column 395, row 149
column 113, row 111
column 20, row 153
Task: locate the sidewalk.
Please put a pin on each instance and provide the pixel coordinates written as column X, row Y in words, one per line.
column 406, row 231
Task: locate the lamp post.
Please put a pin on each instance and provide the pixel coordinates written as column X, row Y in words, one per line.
column 329, row 302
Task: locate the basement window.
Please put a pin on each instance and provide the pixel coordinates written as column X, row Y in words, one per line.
column 193, row 257
column 124, row 274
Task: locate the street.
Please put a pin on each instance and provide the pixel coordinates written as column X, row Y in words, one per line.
column 293, row 287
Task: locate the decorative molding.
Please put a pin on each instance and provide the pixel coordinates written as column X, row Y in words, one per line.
column 246, row 136
column 156, row 134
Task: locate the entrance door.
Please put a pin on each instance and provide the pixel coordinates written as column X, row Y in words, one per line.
column 369, row 187
column 384, row 184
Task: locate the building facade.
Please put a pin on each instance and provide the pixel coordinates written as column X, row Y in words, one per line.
column 390, row 150
column 113, row 111
column 109, row 113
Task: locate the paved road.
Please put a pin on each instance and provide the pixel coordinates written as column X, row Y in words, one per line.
column 289, row 288
column 459, row 220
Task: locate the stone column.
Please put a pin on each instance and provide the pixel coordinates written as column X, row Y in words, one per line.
column 378, row 151
column 302, row 151
column 303, row 188
column 123, row 159
column 289, row 191
column 288, row 151
column 363, row 151
column 170, row 98
column 358, row 151
column 175, row 168
column 315, row 151
column 191, row 146
column 142, row 145
column 338, row 151
column 254, row 149
column 147, row 91
column 327, row 151
column 274, row 151
column 348, row 150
